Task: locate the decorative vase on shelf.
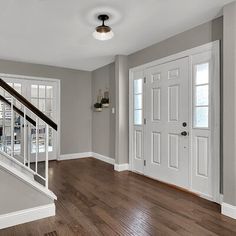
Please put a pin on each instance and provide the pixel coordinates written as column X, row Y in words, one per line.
column 98, row 107
column 105, row 99
column 106, row 94
column 99, row 97
column 105, row 102
column 106, row 105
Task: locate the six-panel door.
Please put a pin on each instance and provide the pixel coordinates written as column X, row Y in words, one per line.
column 166, row 140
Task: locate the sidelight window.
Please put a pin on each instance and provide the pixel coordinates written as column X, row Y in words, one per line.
column 201, row 96
column 138, row 102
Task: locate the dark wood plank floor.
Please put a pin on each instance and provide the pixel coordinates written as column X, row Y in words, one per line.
column 95, row 200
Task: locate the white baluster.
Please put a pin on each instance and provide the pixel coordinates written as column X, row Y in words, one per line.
column 4, row 128
column 46, row 161
column 29, row 147
column 37, row 144
column 12, row 127
column 25, row 136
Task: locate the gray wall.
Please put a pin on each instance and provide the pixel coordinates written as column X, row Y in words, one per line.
column 197, row 36
column 18, row 195
column 229, row 119
column 76, row 112
column 103, row 123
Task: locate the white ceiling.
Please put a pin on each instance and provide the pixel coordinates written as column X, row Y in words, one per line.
column 59, row 32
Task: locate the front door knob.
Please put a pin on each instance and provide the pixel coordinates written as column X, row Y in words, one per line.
column 184, row 133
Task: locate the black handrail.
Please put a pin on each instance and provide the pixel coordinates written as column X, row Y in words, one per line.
column 16, row 109
column 27, row 104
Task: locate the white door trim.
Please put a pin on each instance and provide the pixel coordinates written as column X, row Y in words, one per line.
column 214, row 48
column 58, row 82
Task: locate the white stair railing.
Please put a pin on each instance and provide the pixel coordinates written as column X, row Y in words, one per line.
column 32, row 128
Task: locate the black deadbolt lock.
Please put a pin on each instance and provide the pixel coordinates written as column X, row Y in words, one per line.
column 184, row 124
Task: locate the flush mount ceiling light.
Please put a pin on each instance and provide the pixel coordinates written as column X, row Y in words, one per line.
column 103, row 32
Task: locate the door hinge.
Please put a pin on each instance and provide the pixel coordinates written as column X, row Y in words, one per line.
column 144, row 80
column 144, row 162
column 145, row 121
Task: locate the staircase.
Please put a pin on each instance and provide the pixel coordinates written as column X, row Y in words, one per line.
column 24, row 152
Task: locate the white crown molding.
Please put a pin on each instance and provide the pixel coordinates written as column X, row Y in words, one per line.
column 121, row 167
column 228, row 210
column 28, row 215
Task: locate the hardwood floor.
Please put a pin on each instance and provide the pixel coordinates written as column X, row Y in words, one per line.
column 95, row 200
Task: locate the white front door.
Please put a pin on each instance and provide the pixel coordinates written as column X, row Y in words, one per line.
column 166, row 145
column 175, row 120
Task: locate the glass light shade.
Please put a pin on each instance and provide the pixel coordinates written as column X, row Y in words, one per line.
column 103, row 35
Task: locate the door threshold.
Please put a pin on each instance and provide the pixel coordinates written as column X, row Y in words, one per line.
column 170, row 185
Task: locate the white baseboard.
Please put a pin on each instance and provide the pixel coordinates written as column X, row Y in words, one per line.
column 121, row 167
column 86, row 154
column 117, row 167
column 228, row 210
column 74, row 156
column 28, row 215
column 103, row 158
column 221, row 200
